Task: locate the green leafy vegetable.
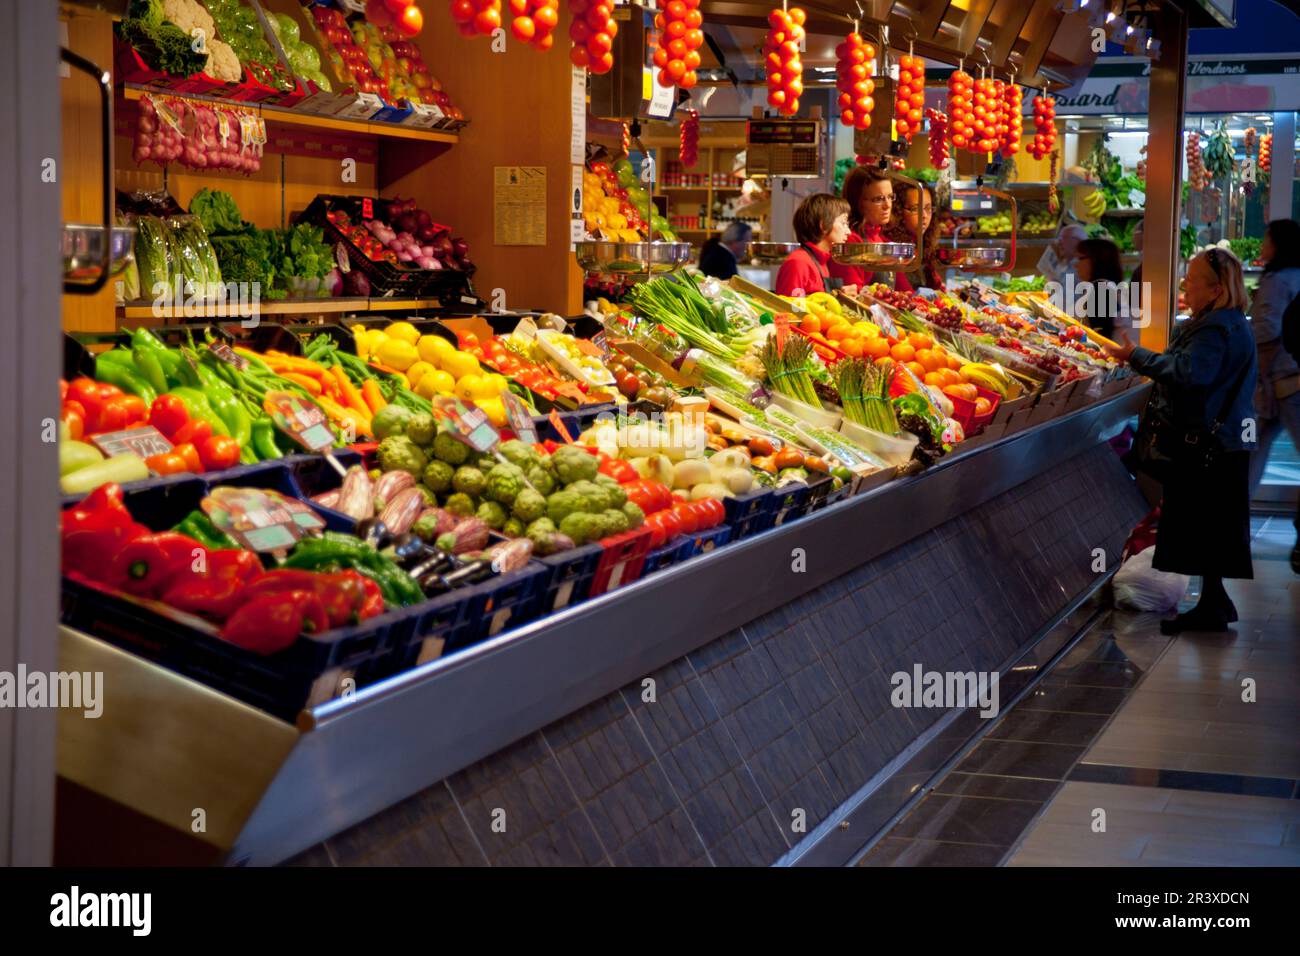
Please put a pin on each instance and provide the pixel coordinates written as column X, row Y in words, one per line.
column 161, row 44
column 217, row 211
column 306, row 254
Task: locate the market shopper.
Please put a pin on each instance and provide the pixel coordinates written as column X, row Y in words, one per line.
column 1097, row 287
column 821, row 221
column 1191, row 438
column 720, row 257
column 1277, row 400
column 914, row 216
column 869, row 191
column 1057, row 260
column 1138, row 232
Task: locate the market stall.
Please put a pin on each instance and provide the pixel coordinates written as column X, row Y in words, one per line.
column 359, row 504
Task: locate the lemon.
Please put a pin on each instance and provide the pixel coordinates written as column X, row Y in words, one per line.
column 404, row 331
column 362, row 339
column 459, row 364
column 435, row 383
column 481, row 386
column 418, row 371
column 468, row 386
column 494, row 409
column 500, row 383
column 429, row 349
column 397, row 354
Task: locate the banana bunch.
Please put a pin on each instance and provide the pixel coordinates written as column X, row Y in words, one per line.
column 821, row 303
column 993, row 377
column 1094, row 203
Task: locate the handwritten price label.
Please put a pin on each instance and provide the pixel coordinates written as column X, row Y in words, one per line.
column 143, row 442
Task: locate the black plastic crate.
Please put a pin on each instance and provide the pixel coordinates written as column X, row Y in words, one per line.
column 750, row 513
column 569, row 577
column 790, row 502
column 576, row 421
column 678, row 549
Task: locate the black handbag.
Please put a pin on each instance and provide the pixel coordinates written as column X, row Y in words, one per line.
column 1163, row 445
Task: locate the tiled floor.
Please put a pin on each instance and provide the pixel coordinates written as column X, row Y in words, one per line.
column 1137, row 749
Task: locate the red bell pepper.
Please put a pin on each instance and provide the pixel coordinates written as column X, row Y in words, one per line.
column 147, row 565
column 374, row 603
column 271, row 622
column 618, row 469
column 343, row 594
column 218, row 591
column 95, row 529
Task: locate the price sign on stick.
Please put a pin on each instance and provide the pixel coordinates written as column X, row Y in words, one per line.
column 259, row 519
column 228, row 355
column 304, row 422
column 520, row 421
column 468, row 422
column 142, row 442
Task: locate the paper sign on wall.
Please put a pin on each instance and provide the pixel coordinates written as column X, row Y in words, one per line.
column 578, row 117
column 519, row 206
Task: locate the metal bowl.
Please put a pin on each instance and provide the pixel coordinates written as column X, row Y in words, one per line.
column 771, row 251
column 83, row 251
column 632, row 258
column 974, row 257
column 874, row 255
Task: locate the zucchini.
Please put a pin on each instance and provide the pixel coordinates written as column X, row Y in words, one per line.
column 118, row 469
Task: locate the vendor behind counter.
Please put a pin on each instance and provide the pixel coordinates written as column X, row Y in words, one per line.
column 820, row 222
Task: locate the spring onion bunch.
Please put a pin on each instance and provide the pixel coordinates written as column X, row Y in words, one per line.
column 788, row 368
column 681, row 307
column 864, row 392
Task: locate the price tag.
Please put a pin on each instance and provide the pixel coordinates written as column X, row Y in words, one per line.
column 228, row 355
column 468, row 421
column 367, row 208
column 364, row 106
column 520, row 421
column 260, row 519
column 600, row 341
column 662, row 101
column 558, row 424
column 469, row 300
column 527, row 328
column 425, row 115
column 142, row 442
column 782, row 320
column 1137, row 198
column 301, row 420
column 884, row 320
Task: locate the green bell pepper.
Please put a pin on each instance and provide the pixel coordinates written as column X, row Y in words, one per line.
column 124, row 377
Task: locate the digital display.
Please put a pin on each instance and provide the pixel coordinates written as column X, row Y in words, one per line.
column 779, row 133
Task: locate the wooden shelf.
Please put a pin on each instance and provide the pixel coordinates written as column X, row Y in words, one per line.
column 146, row 310
column 290, row 117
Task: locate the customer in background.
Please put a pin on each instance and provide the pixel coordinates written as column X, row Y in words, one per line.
column 1205, row 381
column 720, row 257
column 870, row 194
column 913, row 216
column 1057, row 260
column 821, row 221
column 1277, row 400
column 1097, row 264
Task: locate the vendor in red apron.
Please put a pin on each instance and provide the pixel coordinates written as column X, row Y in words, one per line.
column 821, row 221
column 870, row 194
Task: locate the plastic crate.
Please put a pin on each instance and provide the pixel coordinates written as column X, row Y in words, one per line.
column 621, row 561
column 822, row 493
column 750, row 513
column 569, row 577
column 702, row 542
column 790, row 502
column 576, row 421
column 678, row 549
column 313, row 475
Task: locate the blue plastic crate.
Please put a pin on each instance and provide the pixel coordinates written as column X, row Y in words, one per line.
column 678, row 549
column 313, row 475
column 789, row 503
column 576, row 421
column 569, row 577
column 702, row 542
column 750, row 513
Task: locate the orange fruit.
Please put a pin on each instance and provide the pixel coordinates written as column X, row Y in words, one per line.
column 810, row 323
column 876, row 347
column 919, row 340
column 852, row 347
column 917, row 369
column 884, row 360
column 903, row 352
column 838, row 331
column 954, row 363
column 982, row 405
column 934, row 378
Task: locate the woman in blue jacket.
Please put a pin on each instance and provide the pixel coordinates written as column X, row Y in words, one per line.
column 1206, row 378
column 1278, row 399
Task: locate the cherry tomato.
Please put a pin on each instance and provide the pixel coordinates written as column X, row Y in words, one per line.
column 218, row 452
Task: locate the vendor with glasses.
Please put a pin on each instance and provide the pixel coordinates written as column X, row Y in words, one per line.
column 870, row 194
column 914, row 218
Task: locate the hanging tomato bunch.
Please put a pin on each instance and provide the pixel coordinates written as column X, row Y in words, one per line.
column 909, row 101
column 988, row 108
column 781, row 58
column 592, row 31
column 853, row 80
column 476, row 17
column 680, row 38
column 1197, row 177
column 1012, row 124
column 961, row 110
column 938, row 138
column 1044, row 127
column 533, row 21
column 689, row 150
column 1266, row 152
column 402, row 15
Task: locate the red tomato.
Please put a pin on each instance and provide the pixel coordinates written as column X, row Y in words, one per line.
column 712, row 512
column 620, row 470
column 194, row 433
column 410, row 21
column 85, row 391
column 75, row 418
column 168, row 415
column 136, row 410
column 688, row 516
column 168, row 463
column 191, row 455
column 218, row 452
column 658, row 533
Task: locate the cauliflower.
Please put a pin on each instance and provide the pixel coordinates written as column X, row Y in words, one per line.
column 541, row 479
column 187, row 14
column 529, row 505
column 573, row 464
column 222, row 63
column 615, row 521
column 421, row 428
column 616, row 492
column 399, row 453
column 468, row 480
column 562, row 504
column 518, row 453
column 389, row 420
column 448, row 448
column 459, row 504
column 492, row 514
column 635, row 516
column 582, row 527
column 513, row 528
column 438, row 476
column 504, row 483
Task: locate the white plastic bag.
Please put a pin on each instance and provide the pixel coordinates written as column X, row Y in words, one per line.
column 1140, row 587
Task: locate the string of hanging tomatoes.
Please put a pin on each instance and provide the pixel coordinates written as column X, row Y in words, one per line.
column 689, row 150
column 476, row 17
column 680, row 39
column 1012, row 123
column 784, row 66
column 853, row 80
column 592, row 31
column 909, row 100
column 402, row 15
column 1044, row 140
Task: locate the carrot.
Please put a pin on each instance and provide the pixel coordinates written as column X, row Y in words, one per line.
column 278, row 360
column 306, row 381
column 340, row 414
column 351, row 397
column 374, row 398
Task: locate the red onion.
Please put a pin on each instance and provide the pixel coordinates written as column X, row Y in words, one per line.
column 459, row 247
column 334, row 282
column 428, row 262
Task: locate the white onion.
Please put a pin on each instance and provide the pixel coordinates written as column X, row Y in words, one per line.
column 403, row 257
column 428, row 262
